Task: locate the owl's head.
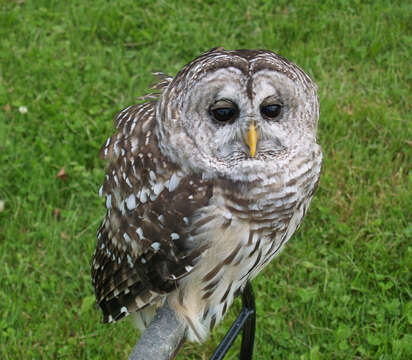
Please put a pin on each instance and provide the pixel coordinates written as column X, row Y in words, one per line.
column 231, row 113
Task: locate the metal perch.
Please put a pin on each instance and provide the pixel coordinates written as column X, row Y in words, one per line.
column 164, row 337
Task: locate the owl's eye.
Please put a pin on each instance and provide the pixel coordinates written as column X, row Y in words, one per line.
column 224, row 114
column 224, row 111
column 271, row 110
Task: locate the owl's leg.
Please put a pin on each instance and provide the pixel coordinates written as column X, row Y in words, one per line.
column 246, row 320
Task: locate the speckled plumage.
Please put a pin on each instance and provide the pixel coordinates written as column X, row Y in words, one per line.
column 191, row 215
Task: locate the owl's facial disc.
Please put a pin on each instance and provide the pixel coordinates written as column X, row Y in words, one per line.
column 233, row 122
column 231, row 125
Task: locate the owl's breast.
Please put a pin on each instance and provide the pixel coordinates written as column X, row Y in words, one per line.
column 238, row 247
column 244, row 226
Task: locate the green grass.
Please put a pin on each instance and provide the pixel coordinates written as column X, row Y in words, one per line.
column 342, row 287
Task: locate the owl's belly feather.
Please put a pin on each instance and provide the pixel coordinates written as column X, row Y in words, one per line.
column 245, row 226
column 238, row 250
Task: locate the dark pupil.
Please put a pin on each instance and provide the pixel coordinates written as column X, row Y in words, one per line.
column 271, row 110
column 223, row 114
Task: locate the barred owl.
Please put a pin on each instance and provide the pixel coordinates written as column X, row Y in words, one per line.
column 207, row 180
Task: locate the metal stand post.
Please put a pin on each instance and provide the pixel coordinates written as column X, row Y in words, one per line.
column 246, row 320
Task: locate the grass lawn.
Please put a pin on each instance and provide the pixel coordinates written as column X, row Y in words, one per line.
column 342, row 287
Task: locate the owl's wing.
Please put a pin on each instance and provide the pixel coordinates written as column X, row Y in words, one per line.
column 142, row 249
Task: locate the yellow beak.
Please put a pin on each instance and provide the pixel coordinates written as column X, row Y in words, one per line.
column 252, row 139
